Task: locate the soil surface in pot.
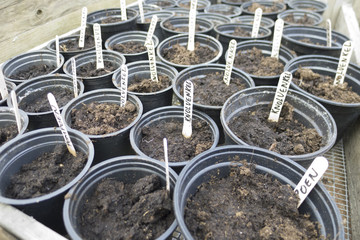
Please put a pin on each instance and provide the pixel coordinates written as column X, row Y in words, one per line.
column 247, row 205
column 129, row 47
column 146, row 85
column 8, row 132
column 37, row 101
column 185, row 29
column 304, row 20
column 180, row 149
column 288, row 136
column 187, row 5
column 238, row 31
column 32, row 72
column 323, row 86
column 111, row 20
column 73, row 44
column 309, row 41
column 230, row 11
column 179, row 54
column 89, row 69
column 161, row 3
column 265, row 9
column 211, row 89
column 120, row 210
column 102, row 118
column 47, row 173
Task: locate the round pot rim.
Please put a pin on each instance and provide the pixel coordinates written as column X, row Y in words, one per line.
column 113, row 10
column 313, row 15
column 198, row 21
column 266, row 20
column 206, row 4
column 322, row 6
column 267, row 31
column 150, row 14
column 245, row 5
column 23, row 116
column 237, row 10
column 213, row 16
column 67, row 38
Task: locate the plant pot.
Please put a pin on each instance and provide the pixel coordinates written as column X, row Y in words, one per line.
column 215, row 18
column 201, row 71
column 344, row 113
column 234, row 2
column 223, row 9
column 26, row 61
column 216, row 164
column 306, row 111
column 151, row 100
column 164, row 4
column 138, row 37
column 246, row 19
column 112, row 58
column 180, row 25
column 146, row 7
column 127, row 169
column 73, row 39
column 280, row 7
column 292, row 36
column 285, row 55
column 201, row 4
column 10, row 86
column 182, row 40
column 32, row 98
column 106, row 145
column 25, row 149
column 167, row 115
column 180, row 12
column 310, row 5
column 7, row 118
column 300, row 17
column 109, row 29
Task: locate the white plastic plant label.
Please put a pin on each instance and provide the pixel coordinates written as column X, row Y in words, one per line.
column 328, row 33
column 344, row 61
column 3, row 88
column 166, row 158
column 256, row 24
column 188, row 108
column 55, row 108
column 141, row 11
column 16, row 109
column 312, row 175
column 150, row 33
column 98, row 46
column 74, row 76
column 280, row 95
column 83, row 27
column 123, row 85
column 229, row 61
column 57, row 49
column 278, row 31
column 192, row 22
column 152, row 60
column 123, row 10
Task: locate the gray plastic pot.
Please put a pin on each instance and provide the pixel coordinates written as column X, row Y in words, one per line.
column 344, row 113
column 97, row 82
column 21, row 150
column 180, row 12
column 273, row 15
column 182, row 39
column 146, row 7
column 49, row 83
column 311, row 5
column 205, row 25
column 306, row 110
column 201, row 4
column 216, row 164
column 127, row 169
column 112, row 144
column 224, row 9
column 246, row 19
column 299, row 14
column 164, row 4
column 234, row 2
column 7, row 117
column 27, row 60
column 10, row 86
column 131, row 36
column 142, row 69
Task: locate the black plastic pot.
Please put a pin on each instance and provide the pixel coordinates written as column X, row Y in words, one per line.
column 112, row 144
column 32, row 88
column 109, row 29
column 285, row 55
column 201, row 4
column 215, row 18
column 182, row 39
column 306, row 110
column 234, row 2
column 27, row 60
column 224, row 9
column 311, row 5
column 164, row 4
column 299, row 14
column 131, row 36
column 344, row 113
column 166, row 114
column 273, row 15
column 293, row 34
column 7, row 117
column 246, row 19
column 127, row 169
column 146, row 7
column 205, row 25
column 10, row 86
column 98, row 82
column 141, row 69
column 216, row 164
column 21, row 150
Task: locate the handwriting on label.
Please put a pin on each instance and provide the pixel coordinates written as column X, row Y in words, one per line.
column 279, row 26
column 98, row 46
column 152, row 60
column 123, row 85
column 256, row 24
column 123, row 10
column 83, row 27
column 328, row 33
column 188, row 108
column 192, row 22
column 3, row 88
column 73, row 68
column 152, row 27
column 229, row 61
column 344, row 61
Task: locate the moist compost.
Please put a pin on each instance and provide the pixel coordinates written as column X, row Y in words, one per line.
column 265, row 9
column 304, row 20
column 8, row 132
column 47, row 173
column 111, row 20
column 130, row 47
column 32, row 72
column 254, row 62
column 241, row 32
column 36, row 101
column 211, row 89
column 72, row 45
column 102, row 118
column 247, row 205
column 323, row 86
column 180, row 149
column 89, row 69
column 288, row 136
column 146, row 85
column 179, row 54
column 309, row 41
column 121, row 210
column 184, row 29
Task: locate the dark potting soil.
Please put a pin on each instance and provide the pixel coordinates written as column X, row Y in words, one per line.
column 304, row 20
column 170, row 26
column 265, row 9
column 288, row 136
column 309, row 41
column 32, row 72
column 47, row 173
column 262, row 24
column 118, row 210
column 179, row 54
column 254, row 62
column 238, row 31
column 111, row 20
column 180, row 149
column 323, row 86
column 8, row 132
column 247, row 205
column 37, row 101
column 238, row 1
column 73, row 44
column 146, row 85
column 211, row 89
column 162, row 3
column 130, row 47
column 102, row 118
column 231, row 11
column 89, row 69
column 187, row 5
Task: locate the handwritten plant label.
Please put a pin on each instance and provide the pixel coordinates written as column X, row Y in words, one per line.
column 16, row 109
column 55, row 108
column 151, row 30
column 98, row 46
column 57, row 49
column 166, row 158
column 192, row 22
column 328, row 33
column 344, row 61
column 229, row 61
column 123, row 85
column 141, row 11
column 152, row 61
column 74, row 77
column 280, row 95
column 188, row 108
column 310, row 178
column 256, row 24
column 278, row 31
column 123, row 10
column 3, row 88
column 83, row 27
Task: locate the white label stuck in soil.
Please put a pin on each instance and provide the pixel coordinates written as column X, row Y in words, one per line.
column 74, row 76
column 123, row 85
column 229, row 61
column 98, row 46
column 344, row 61
column 256, row 24
column 278, row 31
column 150, row 33
column 123, row 10
column 166, row 158
column 192, row 22
column 57, row 49
column 328, row 33
column 83, row 27
column 152, row 60
column 188, row 108
column 141, row 11
column 16, row 109
column 3, row 88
